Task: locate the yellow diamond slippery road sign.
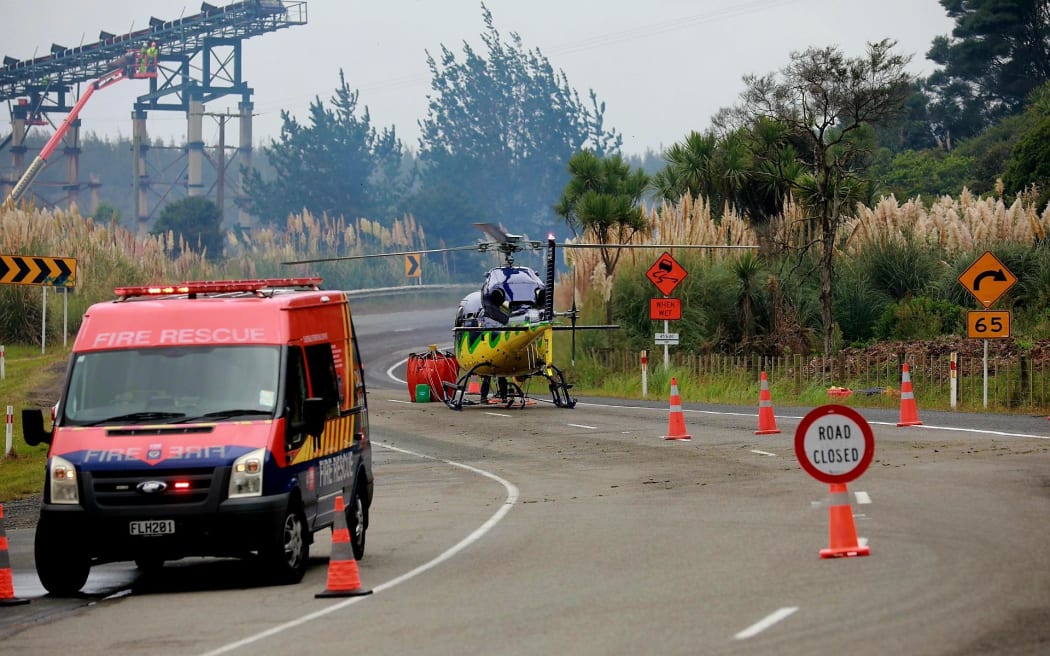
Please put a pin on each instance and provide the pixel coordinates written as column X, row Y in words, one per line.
column 987, row 279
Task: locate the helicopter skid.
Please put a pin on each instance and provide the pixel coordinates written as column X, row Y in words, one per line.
column 511, row 393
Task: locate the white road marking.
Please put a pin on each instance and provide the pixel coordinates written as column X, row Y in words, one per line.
column 979, row 431
column 400, row 401
column 390, row 374
column 390, row 371
column 497, row 414
column 862, row 497
column 477, row 534
column 766, row 622
column 117, row 595
column 583, row 426
column 763, row 453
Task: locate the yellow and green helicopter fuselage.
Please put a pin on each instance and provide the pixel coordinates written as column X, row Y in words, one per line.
column 510, row 354
column 509, row 351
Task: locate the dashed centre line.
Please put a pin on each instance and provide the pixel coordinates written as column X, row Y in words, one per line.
column 766, row 622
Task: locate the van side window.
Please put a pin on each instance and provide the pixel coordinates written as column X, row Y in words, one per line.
column 359, row 378
column 294, row 397
column 323, row 381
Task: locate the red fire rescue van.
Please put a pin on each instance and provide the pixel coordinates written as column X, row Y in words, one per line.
column 213, row 418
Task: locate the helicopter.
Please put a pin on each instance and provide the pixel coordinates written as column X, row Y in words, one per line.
column 504, row 330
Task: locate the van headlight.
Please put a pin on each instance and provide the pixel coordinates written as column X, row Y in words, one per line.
column 62, row 477
column 247, row 476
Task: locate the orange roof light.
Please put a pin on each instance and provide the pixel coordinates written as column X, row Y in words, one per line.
column 216, row 286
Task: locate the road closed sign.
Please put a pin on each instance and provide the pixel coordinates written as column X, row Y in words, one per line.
column 834, row 444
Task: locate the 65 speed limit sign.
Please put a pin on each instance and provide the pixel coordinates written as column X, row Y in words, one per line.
column 834, row 444
column 988, row 324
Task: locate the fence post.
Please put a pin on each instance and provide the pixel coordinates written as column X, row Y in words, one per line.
column 9, row 447
column 953, row 384
column 645, row 374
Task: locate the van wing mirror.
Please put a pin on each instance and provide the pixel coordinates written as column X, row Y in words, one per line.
column 314, row 411
column 33, row 427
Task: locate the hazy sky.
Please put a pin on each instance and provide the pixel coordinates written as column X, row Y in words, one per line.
column 663, row 67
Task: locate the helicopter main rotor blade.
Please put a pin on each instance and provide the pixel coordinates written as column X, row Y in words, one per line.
column 473, row 247
column 526, row 326
column 493, row 231
column 725, row 246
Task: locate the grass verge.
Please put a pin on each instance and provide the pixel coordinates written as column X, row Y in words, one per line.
column 28, row 376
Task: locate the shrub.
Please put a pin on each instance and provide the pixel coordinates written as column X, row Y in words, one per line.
column 919, row 318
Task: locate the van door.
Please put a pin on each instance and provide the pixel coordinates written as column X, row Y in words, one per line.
column 324, row 463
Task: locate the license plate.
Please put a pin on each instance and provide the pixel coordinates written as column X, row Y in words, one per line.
column 153, row 527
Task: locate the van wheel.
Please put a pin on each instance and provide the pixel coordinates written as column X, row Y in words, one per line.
column 285, row 559
column 356, row 523
column 62, row 569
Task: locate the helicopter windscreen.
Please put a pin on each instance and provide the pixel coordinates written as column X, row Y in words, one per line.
column 512, row 293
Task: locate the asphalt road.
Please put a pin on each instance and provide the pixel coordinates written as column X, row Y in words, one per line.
column 544, row 530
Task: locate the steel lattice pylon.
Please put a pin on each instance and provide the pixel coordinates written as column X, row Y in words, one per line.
column 199, row 61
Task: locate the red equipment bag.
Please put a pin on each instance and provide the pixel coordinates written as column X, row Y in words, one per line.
column 433, row 368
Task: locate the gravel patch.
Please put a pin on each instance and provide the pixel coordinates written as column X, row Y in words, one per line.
column 21, row 513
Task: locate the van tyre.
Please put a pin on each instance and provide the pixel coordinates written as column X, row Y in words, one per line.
column 63, row 569
column 356, row 524
column 286, row 558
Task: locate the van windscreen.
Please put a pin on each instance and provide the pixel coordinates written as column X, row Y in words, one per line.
column 159, row 385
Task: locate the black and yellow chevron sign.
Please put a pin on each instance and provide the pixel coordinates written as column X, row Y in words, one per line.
column 38, row 270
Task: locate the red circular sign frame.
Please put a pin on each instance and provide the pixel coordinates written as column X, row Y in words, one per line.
column 852, row 415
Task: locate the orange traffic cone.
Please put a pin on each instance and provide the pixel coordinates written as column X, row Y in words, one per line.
column 767, row 422
column 473, row 387
column 343, row 577
column 842, row 531
column 7, row 585
column 676, row 421
column 909, row 412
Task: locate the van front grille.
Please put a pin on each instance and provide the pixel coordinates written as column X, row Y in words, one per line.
column 131, row 489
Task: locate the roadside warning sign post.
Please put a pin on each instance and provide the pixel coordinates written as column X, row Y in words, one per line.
column 42, row 271
column 668, row 309
column 413, row 268
column 835, row 445
column 987, row 279
column 666, row 273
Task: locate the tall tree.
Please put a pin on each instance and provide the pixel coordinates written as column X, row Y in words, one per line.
column 338, row 164
column 748, row 168
column 999, row 51
column 603, row 198
column 1028, row 169
column 690, row 170
column 500, row 128
column 194, row 221
column 827, row 101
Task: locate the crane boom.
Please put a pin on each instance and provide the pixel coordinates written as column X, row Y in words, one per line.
column 40, row 161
